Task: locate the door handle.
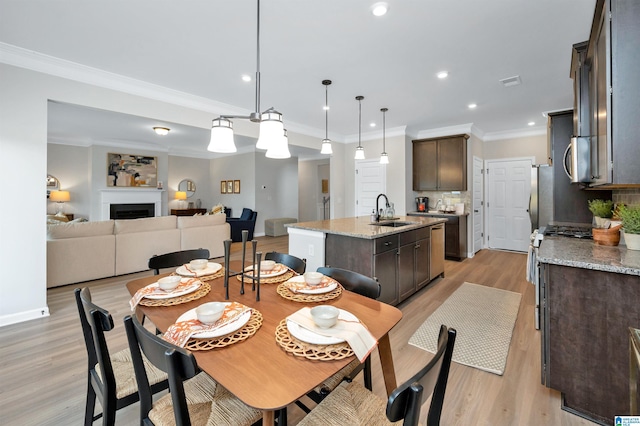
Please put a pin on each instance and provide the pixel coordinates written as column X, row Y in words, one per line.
column 475, row 210
column 564, row 161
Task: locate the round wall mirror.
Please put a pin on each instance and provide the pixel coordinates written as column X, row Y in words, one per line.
column 53, row 184
column 188, row 186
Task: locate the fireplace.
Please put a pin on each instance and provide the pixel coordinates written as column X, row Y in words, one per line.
column 131, row 211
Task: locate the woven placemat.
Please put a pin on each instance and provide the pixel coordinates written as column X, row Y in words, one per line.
column 203, row 278
column 248, row 330
column 310, row 351
column 308, row 298
column 200, row 292
column 270, row 280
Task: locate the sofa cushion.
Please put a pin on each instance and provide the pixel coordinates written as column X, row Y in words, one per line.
column 246, row 214
column 80, row 229
column 199, row 221
column 146, row 224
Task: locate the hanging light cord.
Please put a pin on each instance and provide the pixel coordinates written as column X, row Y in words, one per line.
column 326, row 111
column 384, row 125
column 359, row 119
column 257, row 111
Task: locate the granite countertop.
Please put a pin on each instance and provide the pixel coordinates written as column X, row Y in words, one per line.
column 584, row 253
column 428, row 214
column 361, row 227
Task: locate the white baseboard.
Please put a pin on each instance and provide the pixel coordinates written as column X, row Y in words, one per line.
column 24, row 316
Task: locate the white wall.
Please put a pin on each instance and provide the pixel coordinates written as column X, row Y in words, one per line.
column 71, row 165
column 240, row 167
column 517, row 147
column 310, row 175
column 196, row 169
column 276, row 189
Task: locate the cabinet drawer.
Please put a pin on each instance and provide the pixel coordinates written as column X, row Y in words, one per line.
column 386, row 243
column 422, row 233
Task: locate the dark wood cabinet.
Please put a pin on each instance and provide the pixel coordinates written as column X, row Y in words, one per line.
column 455, row 235
column 613, row 101
column 440, row 164
column 413, row 262
column 585, row 318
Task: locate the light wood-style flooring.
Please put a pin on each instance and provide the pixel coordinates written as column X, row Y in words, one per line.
column 43, row 361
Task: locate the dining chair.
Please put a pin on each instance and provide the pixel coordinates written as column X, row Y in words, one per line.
column 110, row 376
column 351, row 403
column 194, row 397
column 176, row 258
column 294, row 263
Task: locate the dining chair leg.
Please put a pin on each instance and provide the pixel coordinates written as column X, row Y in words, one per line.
column 91, row 404
column 367, row 374
column 282, row 417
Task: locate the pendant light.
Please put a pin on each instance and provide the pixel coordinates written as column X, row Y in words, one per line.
column 384, row 157
column 280, row 148
column 359, row 148
column 326, row 142
column 271, row 125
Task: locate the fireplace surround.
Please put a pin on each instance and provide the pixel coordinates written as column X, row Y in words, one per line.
column 130, row 201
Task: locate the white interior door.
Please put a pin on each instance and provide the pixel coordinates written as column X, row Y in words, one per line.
column 509, row 186
column 477, row 205
column 370, row 181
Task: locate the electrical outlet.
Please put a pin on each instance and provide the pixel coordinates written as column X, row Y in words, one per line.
column 311, row 249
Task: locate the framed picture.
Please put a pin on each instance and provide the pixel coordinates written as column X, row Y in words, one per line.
column 223, row 186
column 236, row 186
column 127, row 170
column 325, row 186
column 229, row 187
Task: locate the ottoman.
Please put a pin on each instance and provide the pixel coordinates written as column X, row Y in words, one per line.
column 275, row 227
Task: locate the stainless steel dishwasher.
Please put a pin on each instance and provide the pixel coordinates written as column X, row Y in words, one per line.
column 437, row 251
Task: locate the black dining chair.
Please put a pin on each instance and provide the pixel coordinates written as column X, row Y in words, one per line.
column 194, row 397
column 110, row 377
column 352, row 404
column 292, row 262
column 176, row 258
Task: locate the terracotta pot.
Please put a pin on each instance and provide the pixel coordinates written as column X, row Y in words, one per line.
column 606, row 237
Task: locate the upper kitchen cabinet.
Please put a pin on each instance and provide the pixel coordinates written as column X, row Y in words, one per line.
column 440, row 164
column 580, row 73
column 614, row 104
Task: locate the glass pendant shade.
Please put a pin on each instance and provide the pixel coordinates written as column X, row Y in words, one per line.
column 271, row 129
column 222, row 136
column 326, row 147
column 359, row 153
column 279, row 148
column 384, row 158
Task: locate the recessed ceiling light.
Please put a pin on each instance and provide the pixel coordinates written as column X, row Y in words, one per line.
column 472, row 106
column 379, row 9
column 531, row 123
column 442, row 74
column 162, row 131
column 246, row 77
column 372, row 124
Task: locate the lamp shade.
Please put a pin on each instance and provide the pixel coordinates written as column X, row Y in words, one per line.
column 271, row 129
column 326, row 147
column 222, row 136
column 384, row 158
column 280, row 148
column 59, row 196
column 181, row 195
column 359, row 153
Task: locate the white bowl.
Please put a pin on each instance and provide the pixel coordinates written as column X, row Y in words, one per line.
column 267, row 265
column 312, row 278
column 210, row 312
column 169, row 283
column 197, row 264
column 325, row 316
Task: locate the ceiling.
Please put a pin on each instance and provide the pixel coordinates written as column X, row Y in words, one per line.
column 203, row 47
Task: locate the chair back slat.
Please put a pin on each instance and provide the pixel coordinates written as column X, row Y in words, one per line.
column 295, row 263
column 353, row 281
column 176, row 258
column 405, row 401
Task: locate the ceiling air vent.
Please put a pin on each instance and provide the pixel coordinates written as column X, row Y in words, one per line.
column 511, row 81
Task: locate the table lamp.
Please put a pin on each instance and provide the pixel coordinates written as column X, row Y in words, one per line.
column 181, row 196
column 60, row 197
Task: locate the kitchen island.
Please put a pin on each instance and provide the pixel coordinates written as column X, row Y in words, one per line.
column 589, row 297
column 404, row 254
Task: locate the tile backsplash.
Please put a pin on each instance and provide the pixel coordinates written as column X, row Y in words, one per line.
column 627, row 196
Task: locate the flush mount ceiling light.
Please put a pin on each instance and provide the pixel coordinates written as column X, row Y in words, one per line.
column 472, row 106
column 246, row 78
column 531, row 123
column 380, row 9
column 442, row 74
column 384, row 157
column 162, row 131
column 271, row 127
column 326, row 142
column 359, row 149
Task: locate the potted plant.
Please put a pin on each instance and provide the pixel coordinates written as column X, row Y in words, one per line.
column 630, row 216
column 602, row 211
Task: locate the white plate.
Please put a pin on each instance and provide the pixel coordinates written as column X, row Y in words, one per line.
column 309, row 336
column 319, row 290
column 160, row 296
column 211, row 269
column 229, row 328
column 271, row 274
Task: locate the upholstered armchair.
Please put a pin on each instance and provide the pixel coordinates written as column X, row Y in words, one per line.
column 247, row 220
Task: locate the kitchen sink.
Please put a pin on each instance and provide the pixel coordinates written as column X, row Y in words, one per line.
column 392, row 224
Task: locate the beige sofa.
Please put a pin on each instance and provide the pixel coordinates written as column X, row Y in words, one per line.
column 91, row 250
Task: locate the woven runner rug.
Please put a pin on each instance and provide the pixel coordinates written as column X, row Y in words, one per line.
column 483, row 317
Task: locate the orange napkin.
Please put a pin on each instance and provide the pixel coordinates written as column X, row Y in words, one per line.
column 354, row 332
column 297, row 283
column 180, row 332
column 276, row 269
column 202, row 272
column 155, row 289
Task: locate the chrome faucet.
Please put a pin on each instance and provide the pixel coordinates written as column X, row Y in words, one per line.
column 377, row 201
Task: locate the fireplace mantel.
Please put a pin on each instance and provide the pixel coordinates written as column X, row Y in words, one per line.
column 129, row 196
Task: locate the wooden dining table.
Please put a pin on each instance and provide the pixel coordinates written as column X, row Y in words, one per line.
column 258, row 370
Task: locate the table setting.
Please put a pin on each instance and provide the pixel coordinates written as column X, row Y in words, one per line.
column 270, row 272
column 201, row 268
column 309, row 287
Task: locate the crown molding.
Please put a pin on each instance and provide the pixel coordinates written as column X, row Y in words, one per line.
column 516, row 133
column 368, row 136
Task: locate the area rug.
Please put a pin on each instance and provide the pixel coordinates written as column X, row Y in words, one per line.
column 483, row 317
